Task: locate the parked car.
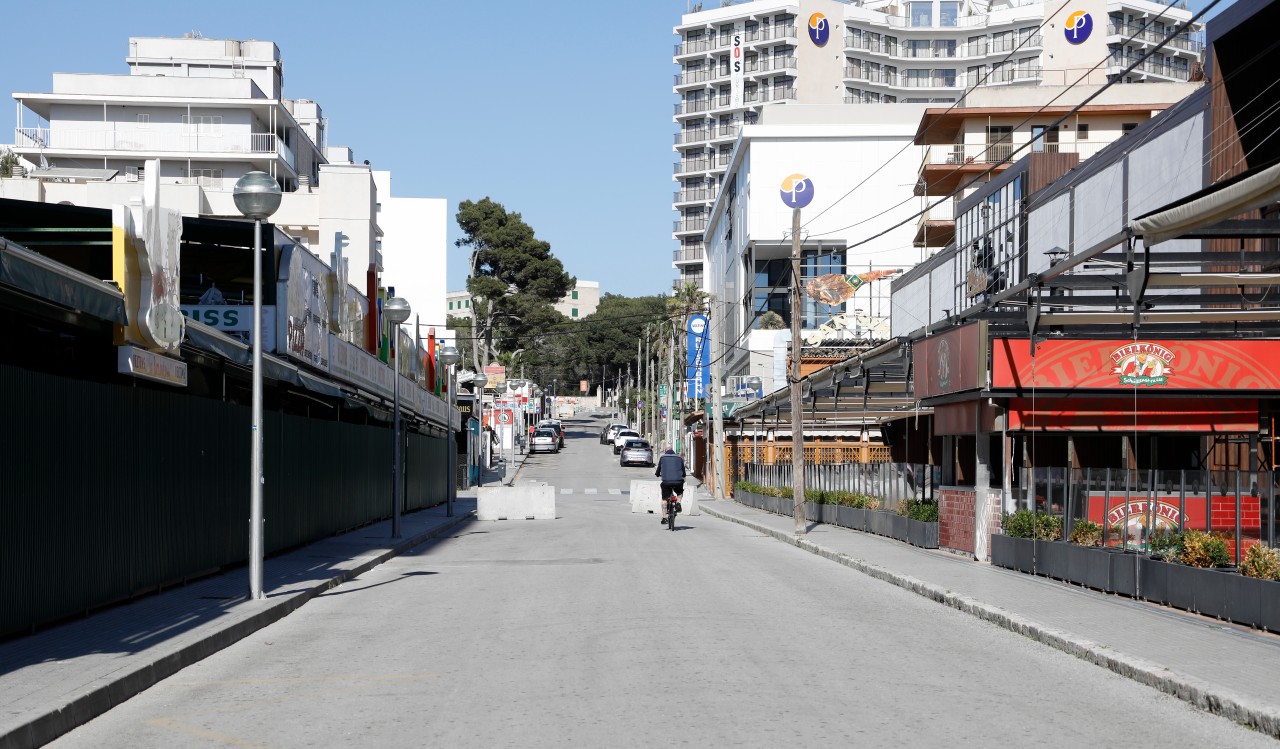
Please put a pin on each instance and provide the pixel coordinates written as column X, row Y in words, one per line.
column 544, row 441
column 622, row 438
column 636, row 451
column 555, row 427
column 611, row 433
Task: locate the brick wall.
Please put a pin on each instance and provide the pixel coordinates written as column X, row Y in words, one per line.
column 956, row 509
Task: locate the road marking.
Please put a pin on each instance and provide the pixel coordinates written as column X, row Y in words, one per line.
column 566, row 491
column 588, row 491
column 612, row 491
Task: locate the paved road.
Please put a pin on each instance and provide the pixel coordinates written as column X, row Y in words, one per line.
column 601, row 628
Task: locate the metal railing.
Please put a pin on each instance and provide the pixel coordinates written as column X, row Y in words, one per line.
column 993, row 153
column 693, row 224
column 693, row 47
column 693, row 76
column 888, row 482
column 700, row 165
column 680, row 283
column 151, row 140
column 691, row 136
column 1133, row 505
column 1150, row 34
column 692, row 106
column 1120, row 62
column 694, row 194
column 687, row 255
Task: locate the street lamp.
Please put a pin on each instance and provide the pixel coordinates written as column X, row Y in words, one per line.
column 449, row 356
column 257, row 196
column 479, row 381
column 396, row 310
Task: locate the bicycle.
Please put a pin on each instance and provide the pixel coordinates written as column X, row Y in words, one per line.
column 671, row 506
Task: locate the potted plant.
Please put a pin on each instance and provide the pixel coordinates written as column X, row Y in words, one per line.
column 1087, row 564
column 1050, row 558
column 1262, row 564
column 1153, row 571
column 1013, row 546
column 922, row 524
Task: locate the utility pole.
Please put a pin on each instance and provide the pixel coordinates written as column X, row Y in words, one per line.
column 671, row 393
column 797, row 406
column 716, row 330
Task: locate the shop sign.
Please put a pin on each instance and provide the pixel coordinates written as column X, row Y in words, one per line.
column 1149, row 365
column 952, row 362
column 132, row 360
column 237, row 319
column 303, row 318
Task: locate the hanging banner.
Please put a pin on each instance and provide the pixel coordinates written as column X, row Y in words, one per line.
column 737, row 63
column 696, row 370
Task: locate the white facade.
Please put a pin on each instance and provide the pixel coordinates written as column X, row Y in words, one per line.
column 749, row 230
column 735, row 61
column 414, row 244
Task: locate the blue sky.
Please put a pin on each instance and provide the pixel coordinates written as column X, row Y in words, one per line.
column 561, row 111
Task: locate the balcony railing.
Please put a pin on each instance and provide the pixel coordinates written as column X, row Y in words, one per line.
column 1148, row 34
column 151, row 140
column 699, row 165
column 770, row 64
column 944, row 211
column 689, row 224
column 1120, row 62
column 726, row 131
column 691, row 136
column 693, row 47
column 767, row 33
column 692, row 106
column 931, row 81
column 989, row 153
column 687, row 255
column 769, row 94
column 693, row 76
column 904, row 22
column 682, row 281
column 1013, row 74
column 695, row 195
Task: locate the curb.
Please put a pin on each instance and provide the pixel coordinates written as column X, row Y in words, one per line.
column 80, row 710
column 1205, row 696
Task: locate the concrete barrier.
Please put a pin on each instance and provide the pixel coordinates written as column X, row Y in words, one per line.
column 646, row 496
column 516, row 502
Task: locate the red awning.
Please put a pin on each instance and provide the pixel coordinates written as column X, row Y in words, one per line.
column 1205, row 415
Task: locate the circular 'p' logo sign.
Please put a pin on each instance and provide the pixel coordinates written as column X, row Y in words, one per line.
column 797, row 191
column 1078, row 27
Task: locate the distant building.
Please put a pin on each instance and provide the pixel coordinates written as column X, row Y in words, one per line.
column 581, row 301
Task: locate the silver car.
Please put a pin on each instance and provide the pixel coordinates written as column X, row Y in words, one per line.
column 636, row 451
column 544, row 441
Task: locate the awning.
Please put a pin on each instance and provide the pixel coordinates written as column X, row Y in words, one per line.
column 1117, row 415
column 65, row 172
column 38, row 275
column 323, row 387
column 214, row 341
column 1218, row 203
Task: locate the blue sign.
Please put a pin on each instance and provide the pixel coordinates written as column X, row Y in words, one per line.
column 797, row 191
column 1078, row 27
column 819, row 29
column 696, row 370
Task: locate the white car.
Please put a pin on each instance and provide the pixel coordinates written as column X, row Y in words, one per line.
column 622, row 437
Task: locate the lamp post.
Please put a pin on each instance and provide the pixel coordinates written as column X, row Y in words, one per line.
column 397, row 310
column 257, row 196
column 449, row 356
column 480, row 380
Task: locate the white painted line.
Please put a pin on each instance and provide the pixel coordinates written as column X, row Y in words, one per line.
column 588, row 491
column 566, row 491
column 612, row 491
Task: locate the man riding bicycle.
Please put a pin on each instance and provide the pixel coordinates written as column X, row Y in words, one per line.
column 670, row 472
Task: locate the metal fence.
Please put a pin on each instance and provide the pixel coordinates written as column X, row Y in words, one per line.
column 890, row 482
column 1132, row 505
column 108, row 492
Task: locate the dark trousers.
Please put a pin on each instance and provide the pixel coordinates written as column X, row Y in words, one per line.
column 668, row 487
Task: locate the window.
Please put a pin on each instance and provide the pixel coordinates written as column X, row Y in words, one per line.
column 467, row 303
column 133, row 173
column 1128, row 127
column 999, row 142
column 917, row 48
column 144, row 121
column 944, row 48
column 573, row 312
column 1045, row 139
column 1082, row 132
column 450, row 305
column 948, row 14
column 202, row 124
column 921, row 14
column 210, row 178
column 575, row 294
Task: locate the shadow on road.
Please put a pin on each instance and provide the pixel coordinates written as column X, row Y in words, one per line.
column 336, row 592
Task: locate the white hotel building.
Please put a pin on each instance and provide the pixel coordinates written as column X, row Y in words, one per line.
column 736, row 60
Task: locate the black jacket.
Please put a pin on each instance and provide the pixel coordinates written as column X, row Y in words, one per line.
column 670, row 469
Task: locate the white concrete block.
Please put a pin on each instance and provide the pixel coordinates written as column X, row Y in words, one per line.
column 516, row 503
column 646, row 496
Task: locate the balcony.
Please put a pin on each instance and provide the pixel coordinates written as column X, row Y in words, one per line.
column 687, row 225
column 946, row 167
column 692, row 278
column 871, row 76
column 688, row 255
column 158, row 140
column 692, row 106
column 769, row 94
column 694, row 47
column 931, row 81
column 937, row 227
column 770, row 64
column 726, row 132
column 1119, row 63
column 698, row 165
column 1013, row 74
column 693, row 77
column 959, row 22
column 686, row 137
column 766, row 34
column 694, row 195
column 1147, row 34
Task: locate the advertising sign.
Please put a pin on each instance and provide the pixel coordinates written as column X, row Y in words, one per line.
column 696, row 370
column 353, row 364
column 952, row 362
column 302, row 319
column 1078, row 27
column 583, row 386
column 736, row 64
column 1146, row 364
column 819, row 30
column 236, row 319
column 497, row 375
column 132, row 360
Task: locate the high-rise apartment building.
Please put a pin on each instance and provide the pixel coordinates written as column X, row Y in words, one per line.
column 736, row 60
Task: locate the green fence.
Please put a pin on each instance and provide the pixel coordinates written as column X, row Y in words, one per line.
column 108, row 492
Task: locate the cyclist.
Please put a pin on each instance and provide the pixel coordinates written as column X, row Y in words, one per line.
column 670, row 472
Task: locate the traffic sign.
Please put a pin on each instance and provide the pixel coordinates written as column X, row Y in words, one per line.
column 662, row 391
column 504, row 417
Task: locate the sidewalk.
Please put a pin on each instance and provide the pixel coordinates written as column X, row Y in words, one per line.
column 62, row 677
column 1216, row 666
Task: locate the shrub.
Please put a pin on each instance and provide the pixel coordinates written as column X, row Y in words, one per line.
column 1199, row 549
column 1166, row 545
column 1020, row 524
column 1261, row 561
column 925, row 512
column 1048, row 527
column 1086, row 533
